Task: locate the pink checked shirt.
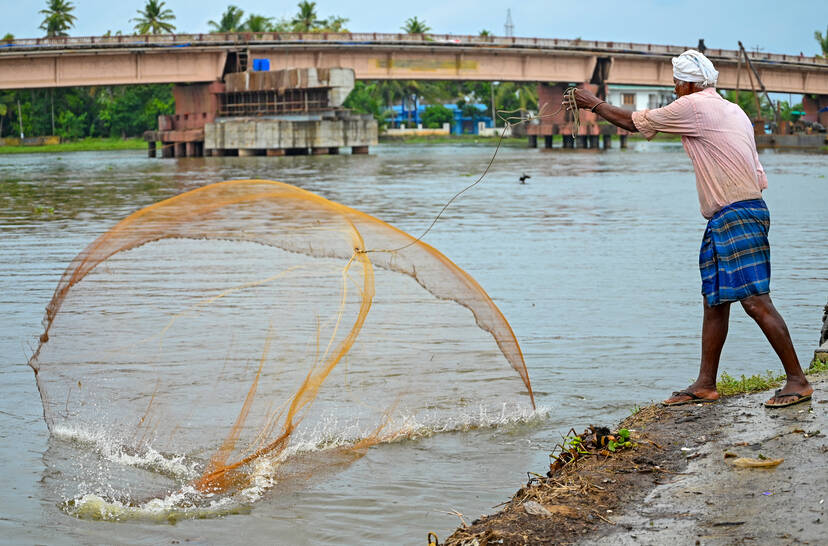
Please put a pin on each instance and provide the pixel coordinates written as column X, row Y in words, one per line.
column 718, row 137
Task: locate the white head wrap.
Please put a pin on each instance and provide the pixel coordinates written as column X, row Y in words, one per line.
column 692, row 66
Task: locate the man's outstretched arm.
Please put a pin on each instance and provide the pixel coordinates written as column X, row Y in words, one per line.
column 617, row 116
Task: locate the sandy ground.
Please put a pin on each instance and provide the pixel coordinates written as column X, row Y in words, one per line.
column 677, row 487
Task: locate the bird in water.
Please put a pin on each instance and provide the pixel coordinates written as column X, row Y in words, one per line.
column 524, row 177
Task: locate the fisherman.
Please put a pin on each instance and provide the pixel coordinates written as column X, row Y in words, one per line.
column 735, row 255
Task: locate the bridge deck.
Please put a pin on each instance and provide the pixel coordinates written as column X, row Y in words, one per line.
column 114, row 60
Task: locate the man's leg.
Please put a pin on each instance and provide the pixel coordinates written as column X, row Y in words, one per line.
column 761, row 309
column 714, row 332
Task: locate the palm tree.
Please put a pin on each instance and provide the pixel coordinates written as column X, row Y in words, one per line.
column 58, row 17
column 823, row 41
column 258, row 23
column 231, row 21
column 306, row 20
column 415, row 26
column 155, row 19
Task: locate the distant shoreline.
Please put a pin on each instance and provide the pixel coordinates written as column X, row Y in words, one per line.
column 84, row 145
column 511, row 142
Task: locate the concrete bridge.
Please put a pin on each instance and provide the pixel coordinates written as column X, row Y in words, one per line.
column 202, row 58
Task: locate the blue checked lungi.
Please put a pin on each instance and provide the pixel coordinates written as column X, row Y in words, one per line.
column 735, row 255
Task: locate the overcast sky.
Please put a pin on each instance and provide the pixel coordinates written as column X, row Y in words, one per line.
column 773, row 26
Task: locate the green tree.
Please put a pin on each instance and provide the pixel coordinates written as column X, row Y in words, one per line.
column 231, row 21
column 415, row 26
column 364, row 98
column 9, row 37
column 58, row 17
column 129, row 111
column 515, row 100
column 485, row 32
column 823, row 42
column 70, row 125
column 436, row 115
column 154, row 19
column 257, row 23
column 306, row 20
column 4, row 109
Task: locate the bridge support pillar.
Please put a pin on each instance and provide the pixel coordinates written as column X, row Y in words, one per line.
column 582, row 142
column 359, row 150
column 180, row 149
column 533, row 141
column 593, row 141
column 607, row 141
column 816, row 108
column 623, row 140
column 167, row 149
column 548, row 141
column 191, row 149
column 151, row 148
column 568, row 141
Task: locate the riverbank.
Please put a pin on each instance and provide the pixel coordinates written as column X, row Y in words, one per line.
column 682, row 483
column 83, row 145
column 511, row 142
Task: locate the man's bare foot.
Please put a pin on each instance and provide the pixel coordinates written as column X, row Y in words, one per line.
column 692, row 395
column 793, row 392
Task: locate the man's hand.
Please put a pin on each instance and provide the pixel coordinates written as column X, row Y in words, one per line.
column 617, row 116
column 585, row 99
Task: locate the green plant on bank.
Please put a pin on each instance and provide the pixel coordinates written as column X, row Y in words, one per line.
column 729, row 385
column 817, row 366
column 622, row 442
column 635, row 409
column 575, row 442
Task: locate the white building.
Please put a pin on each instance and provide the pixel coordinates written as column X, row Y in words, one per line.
column 639, row 97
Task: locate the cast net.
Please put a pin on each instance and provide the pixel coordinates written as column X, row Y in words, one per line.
column 209, row 339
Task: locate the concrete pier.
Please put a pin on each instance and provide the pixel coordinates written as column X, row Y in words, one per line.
column 266, row 113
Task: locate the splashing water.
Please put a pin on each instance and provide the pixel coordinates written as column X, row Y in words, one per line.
column 206, row 343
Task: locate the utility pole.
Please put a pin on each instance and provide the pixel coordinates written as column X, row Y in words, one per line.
column 494, row 116
column 20, row 118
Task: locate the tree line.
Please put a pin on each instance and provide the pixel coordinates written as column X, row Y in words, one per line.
column 157, row 18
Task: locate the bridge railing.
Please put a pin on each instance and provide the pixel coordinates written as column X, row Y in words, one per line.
column 247, row 39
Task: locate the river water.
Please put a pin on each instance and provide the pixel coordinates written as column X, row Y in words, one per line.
column 593, row 262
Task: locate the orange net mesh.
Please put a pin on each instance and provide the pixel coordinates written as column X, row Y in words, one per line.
column 251, row 320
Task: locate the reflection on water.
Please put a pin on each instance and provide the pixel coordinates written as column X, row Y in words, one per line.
column 594, row 263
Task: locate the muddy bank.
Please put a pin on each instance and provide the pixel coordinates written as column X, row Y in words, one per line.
column 679, row 484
